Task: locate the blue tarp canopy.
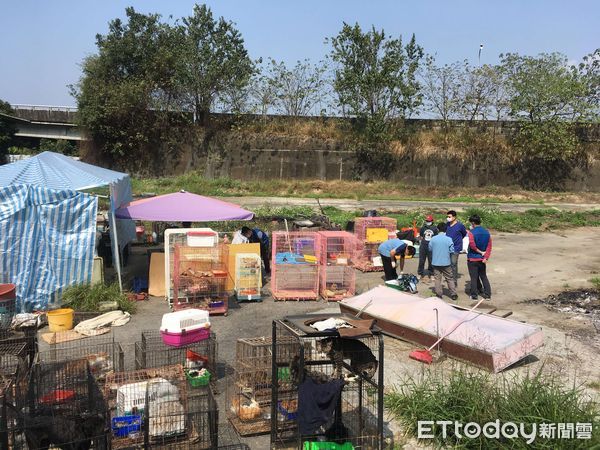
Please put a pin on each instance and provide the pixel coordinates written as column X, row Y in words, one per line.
column 59, row 176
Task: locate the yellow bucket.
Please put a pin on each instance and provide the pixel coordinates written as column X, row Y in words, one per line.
column 60, row 319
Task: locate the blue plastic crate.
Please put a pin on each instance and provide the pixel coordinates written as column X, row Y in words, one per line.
column 123, row 426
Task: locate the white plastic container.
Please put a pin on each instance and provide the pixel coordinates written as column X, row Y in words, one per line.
column 131, row 398
column 185, row 327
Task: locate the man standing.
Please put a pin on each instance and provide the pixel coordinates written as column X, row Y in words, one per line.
column 391, row 250
column 259, row 236
column 427, row 231
column 441, row 249
column 455, row 231
column 480, row 250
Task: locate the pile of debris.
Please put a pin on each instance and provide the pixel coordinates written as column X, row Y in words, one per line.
column 579, row 301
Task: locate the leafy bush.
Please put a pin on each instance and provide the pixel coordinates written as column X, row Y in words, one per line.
column 88, row 297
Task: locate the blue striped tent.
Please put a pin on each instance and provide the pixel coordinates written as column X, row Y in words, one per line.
column 47, row 241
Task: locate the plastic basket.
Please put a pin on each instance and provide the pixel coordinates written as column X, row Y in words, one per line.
column 289, row 415
column 198, row 381
column 327, row 446
column 123, row 426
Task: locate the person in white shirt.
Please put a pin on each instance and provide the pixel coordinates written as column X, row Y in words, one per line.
column 242, row 236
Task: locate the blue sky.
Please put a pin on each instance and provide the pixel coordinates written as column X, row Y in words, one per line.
column 42, row 42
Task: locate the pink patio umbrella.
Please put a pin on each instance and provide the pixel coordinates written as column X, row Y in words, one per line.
column 182, row 207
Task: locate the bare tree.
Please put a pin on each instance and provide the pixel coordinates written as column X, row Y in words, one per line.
column 442, row 90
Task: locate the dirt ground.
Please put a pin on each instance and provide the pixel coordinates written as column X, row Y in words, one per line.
column 523, row 266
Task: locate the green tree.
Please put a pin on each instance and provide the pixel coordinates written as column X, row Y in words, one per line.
column 298, row 89
column 127, row 95
column 7, row 130
column 63, row 146
column 548, row 97
column 212, row 61
column 375, row 80
column 375, row 75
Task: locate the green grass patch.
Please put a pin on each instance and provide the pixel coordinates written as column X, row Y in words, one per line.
column 466, row 396
column 195, row 182
column 89, row 297
column 595, row 282
column 534, row 220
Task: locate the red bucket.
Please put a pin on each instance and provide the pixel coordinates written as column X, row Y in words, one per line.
column 8, row 291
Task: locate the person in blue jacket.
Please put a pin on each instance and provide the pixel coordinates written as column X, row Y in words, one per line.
column 391, row 250
column 258, row 236
column 457, row 232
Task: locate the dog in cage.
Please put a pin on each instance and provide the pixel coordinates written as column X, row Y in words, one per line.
column 44, row 429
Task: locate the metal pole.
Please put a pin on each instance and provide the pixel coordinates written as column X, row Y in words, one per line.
column 274, row 384
column 115, row 240
column 380, row 395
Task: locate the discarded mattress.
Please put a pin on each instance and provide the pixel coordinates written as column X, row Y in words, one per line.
column 484, row 340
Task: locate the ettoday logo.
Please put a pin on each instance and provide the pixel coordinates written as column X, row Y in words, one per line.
column 426, row 429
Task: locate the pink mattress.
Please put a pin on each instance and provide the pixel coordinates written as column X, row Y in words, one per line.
column 505, row 341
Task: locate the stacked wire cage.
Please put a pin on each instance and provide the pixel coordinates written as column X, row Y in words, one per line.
column 60, row 406
column 249, row 386
column 370, row 232
column 337, row 277
column 345, row 376
column 248, row 277
column 150, row 408
column 152, row 352
column 295, row 271
column 103, row 353
column 13, row 370
column 200, row 278
column 193, row 237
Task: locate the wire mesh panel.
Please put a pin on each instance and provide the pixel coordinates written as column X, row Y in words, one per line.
column 248, row 278
column 13, row 360
column 27, row 336
column 339, row 378
column 337, row 282
column 60, row 407
column 152, row 352
column 367, row 257
column 338, row 248
column 249, row 387
column 103, row 354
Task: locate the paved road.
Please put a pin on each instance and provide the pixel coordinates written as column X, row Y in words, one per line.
column 349, row 204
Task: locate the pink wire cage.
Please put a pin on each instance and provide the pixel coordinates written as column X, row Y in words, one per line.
column 295, row 268
column 366, row 251
column 337, row 277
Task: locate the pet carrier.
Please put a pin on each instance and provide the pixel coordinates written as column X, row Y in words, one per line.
column 295, row 272
column 337, row 282
column 152, row 352
column 248, row 278
column 344, row 374
column 337, row 279
column 185, row 327
column 191, row 237
column 8, row 303
column 249, row 386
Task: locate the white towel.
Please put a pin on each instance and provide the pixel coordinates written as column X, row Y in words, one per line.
column 101, row 324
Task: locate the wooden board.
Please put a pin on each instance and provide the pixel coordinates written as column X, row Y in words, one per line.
column 156, row 275
column 232, row 251
column 62, row 336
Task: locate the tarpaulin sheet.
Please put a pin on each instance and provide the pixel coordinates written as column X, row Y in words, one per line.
column 46, row 242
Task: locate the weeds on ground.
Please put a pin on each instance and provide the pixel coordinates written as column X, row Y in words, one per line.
column 88, row 297
column 596, row 282
column 464, row 396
